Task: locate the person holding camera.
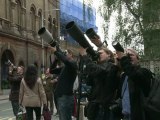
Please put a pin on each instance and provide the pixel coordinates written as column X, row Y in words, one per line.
column 135, row 85
column 15, row 77
column 64, row 88
column 103, row 79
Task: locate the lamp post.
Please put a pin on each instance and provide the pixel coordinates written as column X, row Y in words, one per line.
column 42, row 25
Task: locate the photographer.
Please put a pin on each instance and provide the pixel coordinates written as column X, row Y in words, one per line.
column 15, row 77
column 64, row 88
column 103, row 79
column 136, row 83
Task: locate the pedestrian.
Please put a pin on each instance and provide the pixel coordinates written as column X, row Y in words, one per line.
column 64, row 88
column 15, row 77
column 32, row 95
column 48, row 87
column 136, row 83
column 103, row 79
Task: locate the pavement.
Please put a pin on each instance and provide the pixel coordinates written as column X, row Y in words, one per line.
column 4, row 97
column 4, row 94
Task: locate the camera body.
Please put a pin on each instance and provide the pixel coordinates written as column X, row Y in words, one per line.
column 117, row 46
column 12, row 68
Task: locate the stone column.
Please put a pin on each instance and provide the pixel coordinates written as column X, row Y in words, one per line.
column 14, row 27
column 23, row 13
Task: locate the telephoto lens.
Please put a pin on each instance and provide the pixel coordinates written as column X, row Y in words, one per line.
column 92, row 35
column 47, row 36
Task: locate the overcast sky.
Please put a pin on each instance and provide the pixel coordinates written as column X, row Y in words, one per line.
column 99, row 21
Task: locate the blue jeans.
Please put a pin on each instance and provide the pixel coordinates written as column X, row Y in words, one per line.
column 65, row 106
column 29, row 111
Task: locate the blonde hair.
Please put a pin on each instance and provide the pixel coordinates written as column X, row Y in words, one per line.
column 108, row 52
column 133, row 51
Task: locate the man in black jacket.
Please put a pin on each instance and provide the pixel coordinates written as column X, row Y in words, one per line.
column 64, row 88
column 15, row 77
column 103, row 79
column 135, row 85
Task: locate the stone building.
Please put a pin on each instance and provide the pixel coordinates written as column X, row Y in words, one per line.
column 20, row 21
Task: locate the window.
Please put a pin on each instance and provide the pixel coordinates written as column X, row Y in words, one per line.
column 18, row 15
column 50, row 24
column 33, row 19
column 40, row 19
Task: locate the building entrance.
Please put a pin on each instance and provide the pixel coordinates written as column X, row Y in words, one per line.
column 7, row 55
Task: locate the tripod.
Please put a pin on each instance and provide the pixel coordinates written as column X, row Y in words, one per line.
column 82, row 65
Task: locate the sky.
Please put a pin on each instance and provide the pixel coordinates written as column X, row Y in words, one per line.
column 99, row 21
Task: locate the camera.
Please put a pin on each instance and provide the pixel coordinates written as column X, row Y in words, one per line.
column 46, row 35
column 9, row 63
column 76, row 33
column 117, row 46
column 92, row 35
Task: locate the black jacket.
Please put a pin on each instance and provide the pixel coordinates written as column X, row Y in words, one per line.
column 139, row 80
column 67, row 75
column 104, row 80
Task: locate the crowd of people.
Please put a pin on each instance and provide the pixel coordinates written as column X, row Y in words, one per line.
column 117, row 83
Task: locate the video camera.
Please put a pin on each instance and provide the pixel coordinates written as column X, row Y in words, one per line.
column 79, row 37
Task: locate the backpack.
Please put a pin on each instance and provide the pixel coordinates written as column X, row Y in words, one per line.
column 152, row 102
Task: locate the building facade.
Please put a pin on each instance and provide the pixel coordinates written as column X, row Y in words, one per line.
column 81, row 12
column 20, row 21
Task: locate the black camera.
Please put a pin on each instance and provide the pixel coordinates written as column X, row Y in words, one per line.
column 117, row 46
column 92, row 35
column 79, row 37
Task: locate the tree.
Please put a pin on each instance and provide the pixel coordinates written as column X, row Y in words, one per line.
column 135, row 26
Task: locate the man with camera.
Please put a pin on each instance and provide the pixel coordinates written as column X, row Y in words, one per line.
column 64, row 88
column 103, row 79
column 15, row 77
column 135, row 85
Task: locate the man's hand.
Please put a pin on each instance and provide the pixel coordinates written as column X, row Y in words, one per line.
column 54, row 81
column 82, row 51
column 120, row 54
column 52, row 49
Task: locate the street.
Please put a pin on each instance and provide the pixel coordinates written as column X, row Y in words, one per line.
column 6, row 112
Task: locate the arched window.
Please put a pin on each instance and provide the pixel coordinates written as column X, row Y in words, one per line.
column 50, row 24
column 33, row 19
column 40, row 20
column 18, row 13
column 54, row 22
